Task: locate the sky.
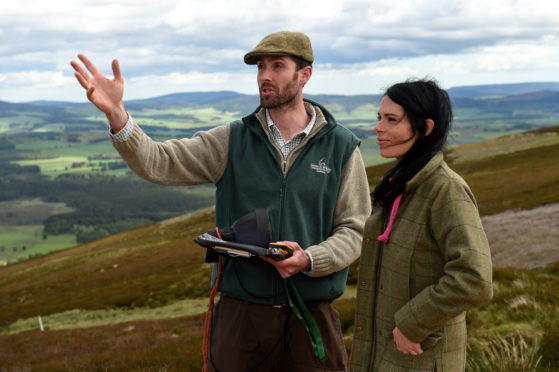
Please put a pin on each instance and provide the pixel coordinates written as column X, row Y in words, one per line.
column 360, row 46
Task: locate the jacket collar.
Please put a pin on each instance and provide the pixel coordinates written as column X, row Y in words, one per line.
column 426, row 172
column 323, row 118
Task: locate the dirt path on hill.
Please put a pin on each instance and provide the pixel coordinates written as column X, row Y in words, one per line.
column 524, row 239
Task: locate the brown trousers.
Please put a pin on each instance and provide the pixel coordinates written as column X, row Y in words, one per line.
column 250, row 337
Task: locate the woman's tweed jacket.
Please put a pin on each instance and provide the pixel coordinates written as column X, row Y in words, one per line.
column 436, row 265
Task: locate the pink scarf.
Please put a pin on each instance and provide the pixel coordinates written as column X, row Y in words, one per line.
column 386, row 234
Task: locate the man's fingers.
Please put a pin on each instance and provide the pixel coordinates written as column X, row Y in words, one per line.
column 79, row 70
column 89, row 92
column 292, row 245
column 83, row 81
column 284, row 272
column 77, row 67
column 116, row 70
column 90, row 66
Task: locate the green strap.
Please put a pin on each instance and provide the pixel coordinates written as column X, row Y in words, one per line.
column 298, row 306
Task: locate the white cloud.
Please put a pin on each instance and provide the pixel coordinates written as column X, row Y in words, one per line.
column 37, row 79
column 513, row 58
column 197, row 41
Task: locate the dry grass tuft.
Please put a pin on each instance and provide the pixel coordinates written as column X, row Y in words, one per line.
column 514, row 353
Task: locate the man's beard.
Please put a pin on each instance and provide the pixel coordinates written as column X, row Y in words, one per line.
column 283, row 97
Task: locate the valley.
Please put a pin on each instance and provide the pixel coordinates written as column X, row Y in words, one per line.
column 138, row 291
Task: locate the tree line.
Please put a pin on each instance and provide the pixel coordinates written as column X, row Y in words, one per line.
column 103, row 205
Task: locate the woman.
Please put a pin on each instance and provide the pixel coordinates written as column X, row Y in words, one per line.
column 425, row 258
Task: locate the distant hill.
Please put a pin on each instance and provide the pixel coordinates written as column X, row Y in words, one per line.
column 500, row 90
column 506, row 103
column 215, row 97
column 8, row 108
column 190, row 98
column 57, row 103
column 246, row 103
column 514, row 106
column 218, row 97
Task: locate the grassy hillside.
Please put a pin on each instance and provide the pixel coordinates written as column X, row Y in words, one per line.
column 148, row 266
column 522, row 177
column 512, row 172
column 141, row 346
column 159, row 266
column 517, row 331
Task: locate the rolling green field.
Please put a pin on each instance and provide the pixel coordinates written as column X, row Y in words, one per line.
column 75, row 319
column 24, row 241
column 185, row 117
column 55, row 157
column 21, row 229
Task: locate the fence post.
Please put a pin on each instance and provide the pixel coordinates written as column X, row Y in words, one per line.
column 41, row 324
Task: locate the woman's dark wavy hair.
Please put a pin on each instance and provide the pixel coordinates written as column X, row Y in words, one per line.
column 421, row 99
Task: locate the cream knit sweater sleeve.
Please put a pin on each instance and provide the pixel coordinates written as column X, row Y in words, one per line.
column 353, row 207
column 187, row 161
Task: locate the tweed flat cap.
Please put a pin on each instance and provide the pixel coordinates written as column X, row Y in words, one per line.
column 282, row 43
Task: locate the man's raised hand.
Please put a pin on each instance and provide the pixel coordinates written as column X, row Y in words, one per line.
column 104, row 93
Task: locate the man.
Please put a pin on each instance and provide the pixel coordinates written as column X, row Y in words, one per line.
column 290, row 157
